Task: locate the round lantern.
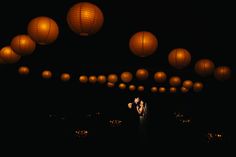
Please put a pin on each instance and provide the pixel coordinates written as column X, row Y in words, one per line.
column 142, row 74
column 160, row 77
column 110, row 85
column 122, row 86
column 132, row 88
column 175, row 81
column 23, row 70
column 92, row 79
column 101, row 79
column 140, row 88
column 46, row 74
column 85, row 18
column 197, row 86
column 179, row 58
column 173, row 90
column 162, row 89
column 154, row 90
column 130, row 105
column 83, row 79
column 43, row 30
column 113, row 78
column 126, row 77
column 65, row 77
column 143, row 44
column 184, row 89
column 8, row 55
column 204, row 67
column 222, row 73
column 23, row 45
column 188, row 84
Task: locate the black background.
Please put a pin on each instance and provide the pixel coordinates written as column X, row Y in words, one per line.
column 206, row 30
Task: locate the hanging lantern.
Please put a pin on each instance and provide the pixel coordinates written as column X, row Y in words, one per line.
column 154, row 89
column 184, row 89
column 173, row 90
column 222, row 73
column 179, row 58
column 23, row 70
column 83, row 79
column 132, row 88
column 8, row 55
column 46, row 74
column 65, row 77
column 204, row 67
column 102, row 79
column 143, row 44
column 140, row 88
column 110, row 85
column 160, row 77
column 126, row 77
column 142, row 74
column 23, row 45
column 43, row 30
column 85, row 18
column 92, row 79
column 188, row 84
column 162, row 89
column 197, row 86
column 175, row 81
column 113, row 78
column 122, row 86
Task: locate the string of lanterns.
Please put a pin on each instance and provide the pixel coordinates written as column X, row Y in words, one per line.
column 86, row 19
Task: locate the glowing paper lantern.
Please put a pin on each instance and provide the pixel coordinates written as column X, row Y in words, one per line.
column 222, row 73
column 8, row 55
column 140, row 88
column 188, row 84
column 110, row 85
column 143, row 44
column 46, row 74
column 132, row 88
column 65, row 77
column 173, row 90
column 160, row 77
column 142, row 74
column 101, row 79
column 92, row 79
column 162, row 90
column 122, row 86
column 113, row 78
column 43, row 30
column 204, row 67
column 23, row 70
column 126, row 77
column 85, row 18
column 175, row 81
column 179, row 58
column 154, row 89
column 83, row 79
column 23, row 45
column 197, row 86
column 184, row 89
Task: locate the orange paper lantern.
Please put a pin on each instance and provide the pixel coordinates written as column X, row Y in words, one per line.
column 43, row 30
column 122, row 86
column 83, row 79
column 184, row 89
column 126, row 77
column 160, row 77
column 23, row 45
column 110, row 85
column 92, row 79
column 142, row 74
column 8, row 55
column 46, row 74
column 140, row 88
column 23, row 70
column 173, row 90
column 132, row 88
column 204, row 67
column 179, row 58
column 188, row 84
column 175, row 81
column 113, row 78
column 143, row 44
column 222, row 73
column 154, row 89
column 197, row 86
column 162, row 89
column 85, row 18
column 65, row 77
column 101, row 79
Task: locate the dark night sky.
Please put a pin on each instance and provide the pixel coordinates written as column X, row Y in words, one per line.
column 206, row 30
